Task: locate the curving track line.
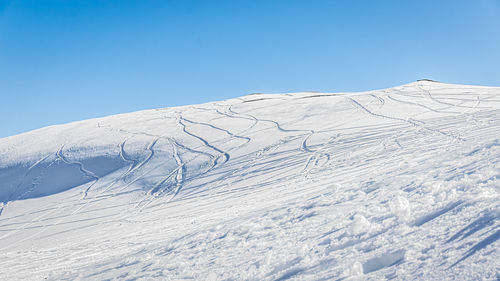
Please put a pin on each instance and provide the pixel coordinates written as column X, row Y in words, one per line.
column 221, row 153
column 229, row 133
column 4, row 204
column 84, row 171
column 409, row 121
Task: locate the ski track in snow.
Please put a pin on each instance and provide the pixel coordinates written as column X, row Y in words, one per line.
column 409, row 121
column 23, row 178
column 246, row 139
column 150, row 147
column 396, row 184
column 222, row 154
column 82, row 169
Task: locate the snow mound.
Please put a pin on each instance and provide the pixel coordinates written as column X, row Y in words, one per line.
column 399, row 183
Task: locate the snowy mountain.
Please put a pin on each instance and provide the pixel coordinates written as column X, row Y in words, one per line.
column 400, row 183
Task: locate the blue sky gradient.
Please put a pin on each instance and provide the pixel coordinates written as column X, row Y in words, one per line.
column 63, row 61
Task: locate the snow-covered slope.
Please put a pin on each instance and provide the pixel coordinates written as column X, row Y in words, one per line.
column 400, row 183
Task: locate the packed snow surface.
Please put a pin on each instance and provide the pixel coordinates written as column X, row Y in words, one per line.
column 401, row 183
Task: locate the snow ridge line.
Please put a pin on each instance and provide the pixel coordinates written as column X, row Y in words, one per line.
column 409, row 121
column 82, row 170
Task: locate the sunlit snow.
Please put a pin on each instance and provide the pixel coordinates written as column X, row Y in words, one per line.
column 400, row 183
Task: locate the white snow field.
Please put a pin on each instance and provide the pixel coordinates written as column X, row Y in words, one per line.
column 401, row 183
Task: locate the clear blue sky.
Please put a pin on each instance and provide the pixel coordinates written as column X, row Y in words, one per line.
column 66, row 60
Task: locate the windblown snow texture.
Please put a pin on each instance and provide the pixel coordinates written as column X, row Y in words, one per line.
column 400, row 183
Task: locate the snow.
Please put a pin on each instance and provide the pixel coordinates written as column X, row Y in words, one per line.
column 399, row 183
